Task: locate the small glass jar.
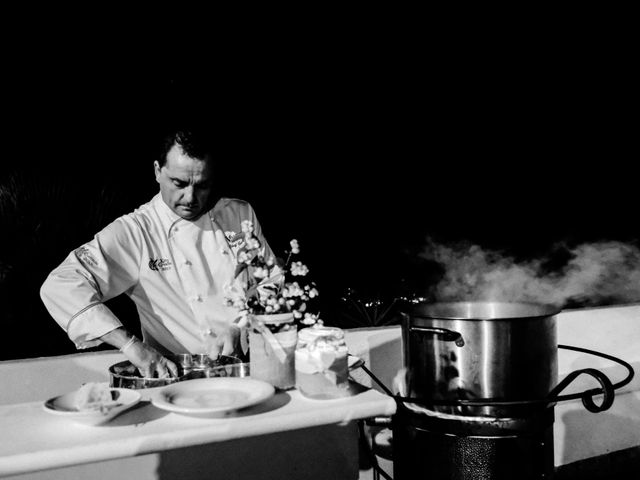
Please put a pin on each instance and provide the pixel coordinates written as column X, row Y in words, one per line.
column 272, row 344
column 321, row 363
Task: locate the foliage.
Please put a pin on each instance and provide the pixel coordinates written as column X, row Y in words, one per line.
column 357, row 311
column 43, row 216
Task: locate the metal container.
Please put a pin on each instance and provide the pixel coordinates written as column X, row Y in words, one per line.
column 230, row 370
column 126, row 375
column 480, row 350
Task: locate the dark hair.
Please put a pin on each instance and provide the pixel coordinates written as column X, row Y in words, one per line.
column 195, row 142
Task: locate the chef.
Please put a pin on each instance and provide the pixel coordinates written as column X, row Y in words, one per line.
column 173, row 256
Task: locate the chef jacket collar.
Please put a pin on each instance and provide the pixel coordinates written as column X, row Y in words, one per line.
column 168, row 217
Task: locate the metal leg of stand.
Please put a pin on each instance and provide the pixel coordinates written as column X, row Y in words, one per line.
column 382, row 447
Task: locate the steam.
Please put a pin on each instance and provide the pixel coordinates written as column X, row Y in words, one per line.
column 591, row 274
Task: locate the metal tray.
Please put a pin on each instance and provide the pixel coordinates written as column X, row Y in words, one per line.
column 126, row 375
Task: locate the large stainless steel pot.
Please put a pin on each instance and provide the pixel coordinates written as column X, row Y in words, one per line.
column 480, row 350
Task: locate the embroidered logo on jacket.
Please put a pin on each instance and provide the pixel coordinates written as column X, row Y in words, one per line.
column 84, row 255
column 159, row 264
column 236, row 240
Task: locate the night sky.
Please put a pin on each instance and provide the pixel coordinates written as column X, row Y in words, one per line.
column 360, row 158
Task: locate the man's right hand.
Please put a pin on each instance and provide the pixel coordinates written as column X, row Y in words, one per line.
column 149, row 362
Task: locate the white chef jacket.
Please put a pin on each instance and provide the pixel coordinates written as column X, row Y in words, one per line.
column 173, row 269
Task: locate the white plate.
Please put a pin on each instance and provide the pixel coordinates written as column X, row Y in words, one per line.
column 212, row 395
column 64, row 406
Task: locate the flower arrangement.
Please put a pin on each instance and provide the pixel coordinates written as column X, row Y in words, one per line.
column 262, row 287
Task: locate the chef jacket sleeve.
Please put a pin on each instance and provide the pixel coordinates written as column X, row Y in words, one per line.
column 99, row 270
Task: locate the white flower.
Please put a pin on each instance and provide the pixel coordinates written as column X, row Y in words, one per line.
column 264, row 295
column 247, row 226
column 309, row 319
column 299, row 269
column 295, row 247
column 252, row 243
column 260, row 273
column 234, row 296
column 292, row 290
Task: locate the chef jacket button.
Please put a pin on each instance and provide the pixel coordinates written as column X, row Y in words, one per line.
column 198, row 298
column 187, row 263
column 207, row 332
column 225, row 251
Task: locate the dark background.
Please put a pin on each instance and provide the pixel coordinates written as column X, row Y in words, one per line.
column 359, row 153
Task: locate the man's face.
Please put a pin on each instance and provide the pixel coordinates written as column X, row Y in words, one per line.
column 185, row 183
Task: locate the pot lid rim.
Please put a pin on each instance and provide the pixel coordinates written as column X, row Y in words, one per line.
column 483, row 310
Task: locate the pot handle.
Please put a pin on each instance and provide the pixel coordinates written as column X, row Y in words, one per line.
column 442, row 333
column 587, row 396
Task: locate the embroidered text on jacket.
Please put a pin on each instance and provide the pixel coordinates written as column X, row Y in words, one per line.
column 159, row 264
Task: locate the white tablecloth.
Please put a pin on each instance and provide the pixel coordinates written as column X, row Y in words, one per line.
column 33, row 439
